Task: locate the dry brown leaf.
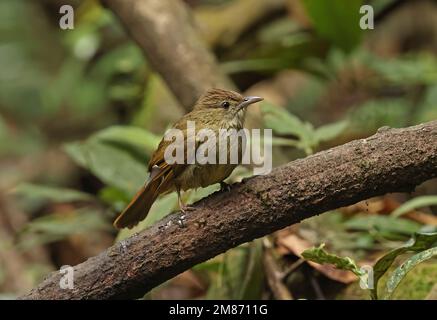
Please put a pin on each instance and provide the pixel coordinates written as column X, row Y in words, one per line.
column 421, row 217
column 372, row 206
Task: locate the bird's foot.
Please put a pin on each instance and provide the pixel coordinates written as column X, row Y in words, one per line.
column 225, row 187
column 185, row 208
column 181, row 220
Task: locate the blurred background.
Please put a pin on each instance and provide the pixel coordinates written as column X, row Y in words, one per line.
column 81, row 111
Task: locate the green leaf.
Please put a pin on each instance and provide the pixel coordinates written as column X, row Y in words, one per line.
column 321, row 256
column 383, row 224
column 115, row 197
column 128, row 136
column 415, row 203
column 330, row 131
column 285, row 123
column 419, row 242
column 401, row 271
column 336, row 21
column 115, row 167
column 52, row 194
column 55, row 227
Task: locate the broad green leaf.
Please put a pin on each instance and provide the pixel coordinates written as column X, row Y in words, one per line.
column 52, row 194
column 115, row 197
column 55, row 227
column 401, row 271
column 129, row 136
column 415, row 203
column 321, row 256
column 419, row 242
column 336, row 21
column 115, row 167
column 383, row 224
column 285, row 123
column 330, row 131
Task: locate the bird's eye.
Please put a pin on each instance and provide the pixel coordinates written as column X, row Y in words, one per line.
column 225, row 104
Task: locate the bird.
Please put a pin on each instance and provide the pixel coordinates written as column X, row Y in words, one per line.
column 216, row 109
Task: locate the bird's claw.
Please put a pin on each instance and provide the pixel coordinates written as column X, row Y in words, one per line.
column 181, row 220
column 184, row 208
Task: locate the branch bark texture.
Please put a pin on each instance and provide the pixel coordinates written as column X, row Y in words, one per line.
column 164, row 30
column 393, row 160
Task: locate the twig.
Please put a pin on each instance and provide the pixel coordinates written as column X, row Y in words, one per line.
column 274, row 279
column 291, row 268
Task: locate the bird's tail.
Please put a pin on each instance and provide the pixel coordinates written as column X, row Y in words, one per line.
column 140, row 205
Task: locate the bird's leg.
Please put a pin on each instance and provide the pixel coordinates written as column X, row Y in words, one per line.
column 184, row 208
column 225, row 186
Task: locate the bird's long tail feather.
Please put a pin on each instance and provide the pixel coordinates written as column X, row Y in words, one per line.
column 139, row 207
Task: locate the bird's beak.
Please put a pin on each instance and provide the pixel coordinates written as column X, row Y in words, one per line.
column 248, row 101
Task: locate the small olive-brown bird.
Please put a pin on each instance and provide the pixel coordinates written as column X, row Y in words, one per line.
column 216, row 109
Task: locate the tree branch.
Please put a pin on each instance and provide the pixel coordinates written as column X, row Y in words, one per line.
column 164, row 30
column 393, row 160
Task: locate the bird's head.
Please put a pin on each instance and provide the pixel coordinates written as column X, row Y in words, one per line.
column 224, row 105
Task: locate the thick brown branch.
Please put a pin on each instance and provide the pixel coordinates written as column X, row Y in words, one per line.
column 392, row 160
column 164, row 30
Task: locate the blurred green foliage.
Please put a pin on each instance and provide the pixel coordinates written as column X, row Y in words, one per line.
column 423, row 243
column 90, row 94
column 337, row 21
